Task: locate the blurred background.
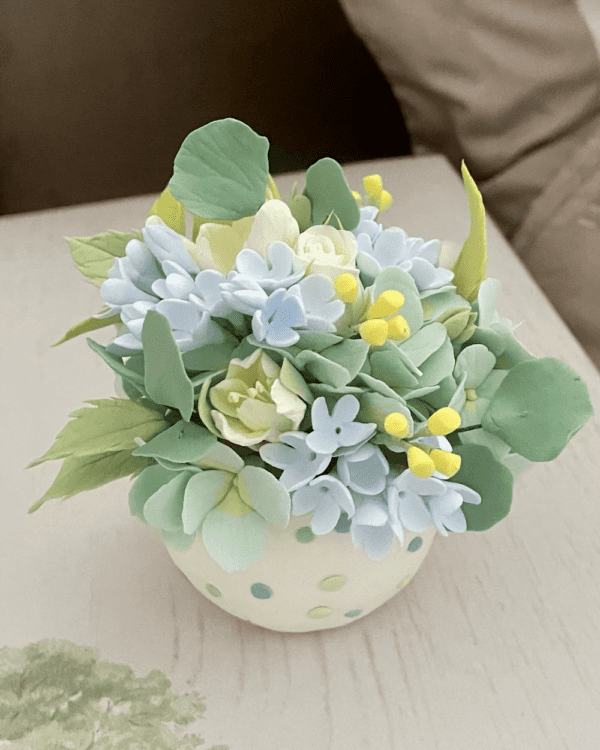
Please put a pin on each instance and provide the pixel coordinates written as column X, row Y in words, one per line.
column 96, row 97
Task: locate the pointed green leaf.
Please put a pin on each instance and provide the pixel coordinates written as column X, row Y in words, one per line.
column 323, row 369
column 163, row 509
column 491, row 479
column 221, row 171
column 234, row 542
column 470, row 268
column 294, row 382
column 94, row 256
column 165, row 378
column 89, row 324
column 202, row 493
column 328, row 191
column 184, row 442
column 260, row 490
column 211, row 356
column 317, row 340
column 170, row 210
column 148, row 482
column 424, row 343
column 110, row 427
column 83, row 473
column 116, row 364
column 538, row 407
column 221, row 456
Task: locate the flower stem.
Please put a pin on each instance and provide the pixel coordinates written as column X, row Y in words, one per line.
column 466, row 429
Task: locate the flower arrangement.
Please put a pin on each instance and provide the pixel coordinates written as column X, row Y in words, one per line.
column 296, row 357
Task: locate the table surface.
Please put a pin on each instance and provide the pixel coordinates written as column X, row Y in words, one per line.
column 496, row 644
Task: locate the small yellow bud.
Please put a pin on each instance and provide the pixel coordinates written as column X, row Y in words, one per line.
column 419, row 463
column 445, row 462
column 374, row 331
column 387, row 303
column 398, row 328
column 373, row 185
column 443, row 421
column 385, row 201
column 356, row 196
column 396, row 424
column 346, row 287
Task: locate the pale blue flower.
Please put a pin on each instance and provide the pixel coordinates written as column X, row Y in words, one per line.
column 277, row 320
column 300, row 464
column 320, row 302
column 365, row 471
column 370, row 526
column 339, row 429
column 326, row 497
column 242, row 293
column 276, row 272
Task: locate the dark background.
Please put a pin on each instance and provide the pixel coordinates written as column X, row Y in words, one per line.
column 96, row 96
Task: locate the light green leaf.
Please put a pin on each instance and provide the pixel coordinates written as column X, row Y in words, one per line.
column 221, row 171
column 89, row 324
column 538, row 407
column 378, row 386
column 221, row 456
column 165, row 378
column 424, row 343
column 317, row 340
column 323, row 369
column 170, row 210
column 388, row 365
column 328, row 191
column 375, row 408
column 94, row 256
column 260, row 490
column 301, row 211
column 395, row 278
column 126, row 371
column 438, row 366
column 294, row 382
column 350, row 354
column 234, row 542
column 470, row 268
column 202, row 493
column 184, row 442
column 164, row 508
column 148, row 482
column 83, row 473
column 211, row 357
column 110, row 427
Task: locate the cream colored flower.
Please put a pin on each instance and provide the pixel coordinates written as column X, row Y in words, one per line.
column 217, row 245
column 328, row 250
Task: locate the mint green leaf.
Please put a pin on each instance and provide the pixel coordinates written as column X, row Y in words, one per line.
column 110, row 427
column 202, row 493
column 221, row 171
column 94, row 256
column 165, row 378
column 130, row 371
column 260, row 490
column 170, row 210
column 301, row 210
column 438, row 366
column 184, row 442
column 395, row 278
column 234, row 542
column 491, row 479
column 148, row 482
column 424, row 342
column 163, row 509
column 388, row 365
column 89, row 324
column 350, row 354
column 539, row 406
column 323, row 369
column 211, row 356
column 82, row 473
column 377, row 386
column 328, row 191
column 317, row 340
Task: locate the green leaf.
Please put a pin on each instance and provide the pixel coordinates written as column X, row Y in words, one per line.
column 94, row 256
column 211, row 356
column 323, row 369
column 538, row 408
column 165, row 378
column 491, row 479
column 221, row 171
column 470, row 267
column 401, row 281
column 424, row 343
column 202, row 493
column 328, row 191
column 184, row 442
column 110, row 427
column 89, row 324
column 260, row 490
column 126, row 371
column 388, row 365
column 317, row 340
column 164, row 508
column 350, row 354
column 148, row 482
column 301, row 211
column 234, row 542
column 82, row 473
column 294, row 382
column 170, row 210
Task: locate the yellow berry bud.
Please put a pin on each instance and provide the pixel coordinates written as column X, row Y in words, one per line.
column 374, row 331
column 445, row 462
column 398, row 328
column 346, row 287
column 419, row 463
column 385, row 201
column 396, row 424
column 356, row 196
column 373, row 185
column 443, row 421
column 387, row 303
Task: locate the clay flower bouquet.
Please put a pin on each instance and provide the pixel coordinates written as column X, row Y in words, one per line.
column 304, row 396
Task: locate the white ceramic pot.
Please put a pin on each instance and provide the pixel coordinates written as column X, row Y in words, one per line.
column 305, row 582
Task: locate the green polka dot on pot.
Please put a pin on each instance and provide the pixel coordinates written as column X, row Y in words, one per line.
column 415, row 544
column 316, row 613
column 332, row 583
column 305, row 534
column 212, row 590
column 353, row 613
column 261, row 591
column 403, row 582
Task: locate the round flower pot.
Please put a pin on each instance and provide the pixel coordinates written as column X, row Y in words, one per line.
column 305, row 582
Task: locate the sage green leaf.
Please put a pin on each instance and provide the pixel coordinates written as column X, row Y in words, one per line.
column 234, row 542
column 204, row 407
column 424, row 343
column 470, row 267
column 438, row 366
column 395, row 278
column 165, row 378
column 95, row 256
column 148, row 482
column 221, row 171
column 490, row 478
column 184, row 442
column 202, row 493
column 377, row 386
column 539, row 406
column 164, row 508
column 294, row 382
column 260, row 490
column 420, row 392
column 170, row 210
column 322, row 389
column 317, row 340
column 350, row 354
column 116, row 364
column 211, row 356
column 89, row 324
column 375, row 408
column 83, row 473
column 328, row 191
column 221, row 456
column 323, row 369
column 388, row 365
column 110, row 427
column 301, row 210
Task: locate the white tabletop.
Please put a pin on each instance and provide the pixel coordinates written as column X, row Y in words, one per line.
column 495, row 645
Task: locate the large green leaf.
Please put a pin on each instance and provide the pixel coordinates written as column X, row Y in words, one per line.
column 82, row 473
column 116, row 364
column 110, row 427
column 165, row 378
column 148, row 482
column 221, row 171
column 184, row 442
column 328, row 191
column 260, row 490
column 94, row 256
column 470, row 267
column 89, row 324
column 538, row 408
column 350, row 354
column 491, row 479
